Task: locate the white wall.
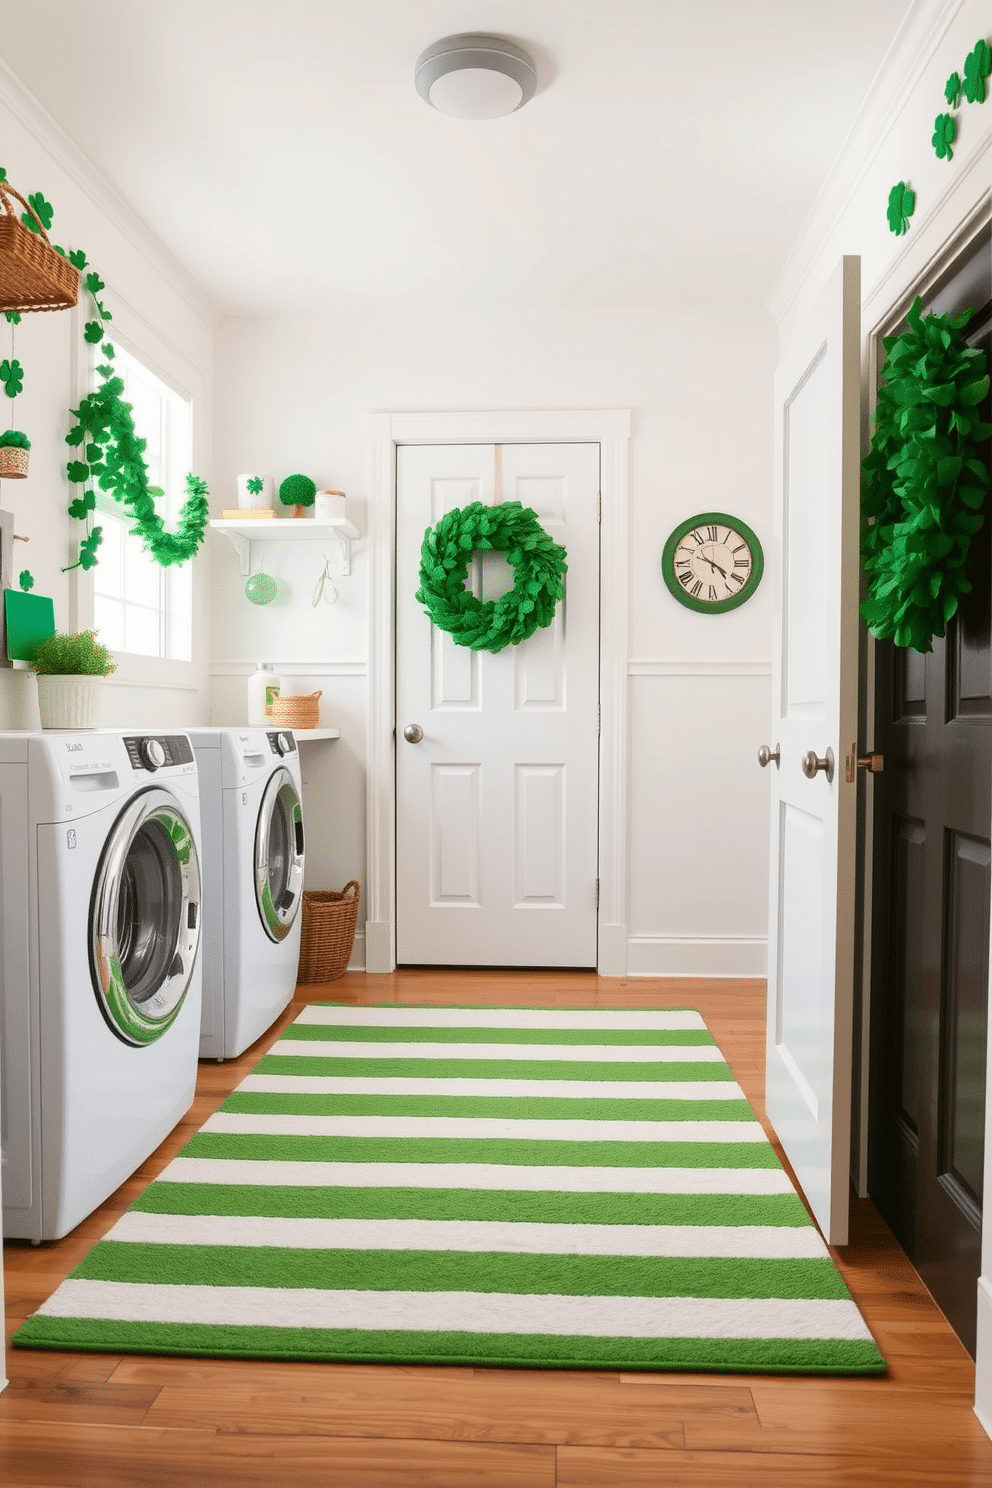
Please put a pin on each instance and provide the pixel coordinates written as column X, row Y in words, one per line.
column 292, row 395
column 892, row 143
column 156, row 310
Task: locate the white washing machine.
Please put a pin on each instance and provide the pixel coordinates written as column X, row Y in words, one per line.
column 252, row 816
column 100, row 976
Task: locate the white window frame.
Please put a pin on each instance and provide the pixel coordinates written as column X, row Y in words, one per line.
column 135, row 335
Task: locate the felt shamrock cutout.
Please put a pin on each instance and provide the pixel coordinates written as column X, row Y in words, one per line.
column 3, row 173
column 43, row 208
column 902, row 205
column 977, row 66
column 952, row 89
column 256, row 485
column 12, row 377
column 26, row 579
column 88, row 547
column 13, row 316
column 944, row 131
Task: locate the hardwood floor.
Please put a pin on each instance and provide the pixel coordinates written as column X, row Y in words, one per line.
column 100, row 1421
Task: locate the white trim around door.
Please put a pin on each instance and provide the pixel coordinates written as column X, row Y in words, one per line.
column 610, row 429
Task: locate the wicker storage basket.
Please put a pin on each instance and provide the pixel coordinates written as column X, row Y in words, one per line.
column 328, row 932
column 32, row 275
column 297, row 710
column 13, row 462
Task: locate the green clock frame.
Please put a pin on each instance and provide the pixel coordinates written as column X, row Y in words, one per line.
column 733, row 601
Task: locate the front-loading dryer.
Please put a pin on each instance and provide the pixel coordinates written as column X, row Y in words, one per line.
column 253, row 854
column 100, row 976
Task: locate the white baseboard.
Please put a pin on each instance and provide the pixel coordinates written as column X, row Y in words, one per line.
column 698, row 956
column 983, row 1356
column 356, row 961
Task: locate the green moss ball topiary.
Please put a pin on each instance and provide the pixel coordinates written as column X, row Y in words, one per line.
column 297, row 490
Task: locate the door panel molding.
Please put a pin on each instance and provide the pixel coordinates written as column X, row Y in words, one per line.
column 610, row 429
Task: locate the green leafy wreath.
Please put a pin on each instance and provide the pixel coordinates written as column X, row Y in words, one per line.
column 924, row 479
column 537, row 560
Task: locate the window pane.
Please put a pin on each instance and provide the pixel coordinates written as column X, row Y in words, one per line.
column 108, row 618
column 142, row 631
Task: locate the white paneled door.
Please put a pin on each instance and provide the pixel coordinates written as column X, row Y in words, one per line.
column 814, row 723
column 497, row 802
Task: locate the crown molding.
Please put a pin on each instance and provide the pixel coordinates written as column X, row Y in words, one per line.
column 48, row 133
column 919, row 35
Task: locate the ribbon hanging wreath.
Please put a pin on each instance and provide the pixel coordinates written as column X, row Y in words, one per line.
column 924, row 479
column 537, row 560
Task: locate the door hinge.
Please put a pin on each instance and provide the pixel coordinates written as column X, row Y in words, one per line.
column 597, row 893
column 599, row 719
column 599, row 506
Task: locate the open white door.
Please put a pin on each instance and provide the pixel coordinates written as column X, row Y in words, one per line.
column 814, row 723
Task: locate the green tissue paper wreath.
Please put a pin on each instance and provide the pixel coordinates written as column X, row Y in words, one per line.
column 537, row 560
column 924, row 479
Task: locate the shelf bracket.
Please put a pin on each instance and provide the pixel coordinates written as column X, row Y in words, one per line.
column 344, row 542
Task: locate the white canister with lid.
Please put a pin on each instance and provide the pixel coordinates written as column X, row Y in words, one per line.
column 263, row 685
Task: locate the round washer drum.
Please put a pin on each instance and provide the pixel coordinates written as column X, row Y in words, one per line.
column 145, row 918
column 279, row 856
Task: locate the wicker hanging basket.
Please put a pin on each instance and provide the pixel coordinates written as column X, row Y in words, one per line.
column 32, row 275
column 296, row 710
column 13, row 462
column 328, row 934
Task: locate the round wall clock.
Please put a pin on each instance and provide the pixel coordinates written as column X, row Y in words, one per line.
column 712, row 563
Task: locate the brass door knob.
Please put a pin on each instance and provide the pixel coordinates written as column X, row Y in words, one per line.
column 413, row 733
column 766, row 755
column 874, row 763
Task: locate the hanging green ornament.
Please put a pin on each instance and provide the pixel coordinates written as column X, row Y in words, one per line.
column 261, row 588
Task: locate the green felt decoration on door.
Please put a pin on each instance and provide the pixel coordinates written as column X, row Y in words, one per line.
column 924, row 479
column 537, row 560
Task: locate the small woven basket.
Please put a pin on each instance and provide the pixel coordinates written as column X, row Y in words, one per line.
column 298, row 710
column 13, row 462
column 32, row 275
column 328, row 935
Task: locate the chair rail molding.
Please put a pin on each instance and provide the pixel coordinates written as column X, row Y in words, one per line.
column 610, row 429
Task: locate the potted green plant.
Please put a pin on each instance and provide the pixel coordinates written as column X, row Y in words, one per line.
column 70, row 668
column 14, row 448
column 299, row 492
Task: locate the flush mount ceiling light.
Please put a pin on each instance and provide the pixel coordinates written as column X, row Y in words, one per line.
column 472, row 76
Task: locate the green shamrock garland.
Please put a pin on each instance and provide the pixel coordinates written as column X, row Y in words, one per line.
column 114, row 459
column 537, row 560
column 924, row 479
column 113, row 453
column 974, row 87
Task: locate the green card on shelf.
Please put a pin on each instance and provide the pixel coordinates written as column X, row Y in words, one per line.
column 30, row 620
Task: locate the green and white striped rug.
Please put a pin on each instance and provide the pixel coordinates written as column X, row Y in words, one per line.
column 568, row 1188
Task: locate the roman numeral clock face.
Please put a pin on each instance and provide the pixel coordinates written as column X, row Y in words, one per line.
column 712, row 563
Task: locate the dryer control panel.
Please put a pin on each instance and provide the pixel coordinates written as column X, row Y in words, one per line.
column 158, row 751
column 282, row 742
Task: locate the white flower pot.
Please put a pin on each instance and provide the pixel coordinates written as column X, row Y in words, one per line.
column 71, row 702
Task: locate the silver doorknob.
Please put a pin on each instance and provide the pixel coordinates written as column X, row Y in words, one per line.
column 766, row 755
column 413, row 733
column 874, row 762
column 812, row 765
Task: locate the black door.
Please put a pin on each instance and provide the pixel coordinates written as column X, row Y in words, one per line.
column 930, row 944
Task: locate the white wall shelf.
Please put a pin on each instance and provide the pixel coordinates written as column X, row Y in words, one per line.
column 310, row 736
column 243, row 533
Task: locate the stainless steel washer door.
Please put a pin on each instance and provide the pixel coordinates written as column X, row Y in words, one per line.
column 145, row 918
column 279, row 856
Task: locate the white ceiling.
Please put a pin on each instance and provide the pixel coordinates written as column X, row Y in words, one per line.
column 280, row 151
